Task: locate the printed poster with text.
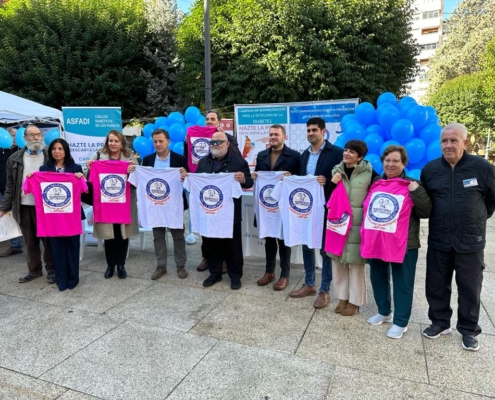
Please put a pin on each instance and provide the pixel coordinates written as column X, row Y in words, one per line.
column 253, row 123
column 87, row 127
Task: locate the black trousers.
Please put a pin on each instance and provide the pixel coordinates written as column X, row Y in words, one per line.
column 229, row 250
column 468, row 267
column 116, row 248
column 65, row 253
column 271, row 255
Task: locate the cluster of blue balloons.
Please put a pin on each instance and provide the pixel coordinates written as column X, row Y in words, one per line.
column 403, row 122
column 6, row 140
column 175, row 124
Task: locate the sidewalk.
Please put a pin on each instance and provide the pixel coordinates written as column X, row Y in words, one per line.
column 174, row 339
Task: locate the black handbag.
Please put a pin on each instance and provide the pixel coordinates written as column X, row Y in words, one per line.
column 87, row 197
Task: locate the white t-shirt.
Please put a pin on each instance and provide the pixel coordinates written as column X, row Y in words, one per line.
column 211, row 203
column 302, row 206
column 266, row 207
column 159, row 196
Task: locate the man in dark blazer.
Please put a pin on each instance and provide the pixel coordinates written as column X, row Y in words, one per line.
column 278, row 157
column 165, row 158
column 318, row 159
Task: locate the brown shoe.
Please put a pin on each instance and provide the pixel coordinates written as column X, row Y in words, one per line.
column 160, row 271
column 349, row 310
column 281, row 284
column 322, row 300
column 181, row 272
column 340, row 307
column 203, row 266
column 224, row 267
column 303, row 292
column 10, row 252
column 267, row 278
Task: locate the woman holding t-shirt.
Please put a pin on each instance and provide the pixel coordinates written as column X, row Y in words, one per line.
column 65, row 249
column 116, row 236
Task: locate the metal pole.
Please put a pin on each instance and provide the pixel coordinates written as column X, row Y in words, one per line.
column 208, row 102
column 488, row 144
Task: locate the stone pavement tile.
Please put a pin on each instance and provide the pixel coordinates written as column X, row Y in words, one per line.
column 132, row 362
column 254, row 321
column 37, row 342
column 233, row 371
column 488, row 295
column 451, row 366
column 351, row 342
column 352, row 384
column 72, row 395
column 13, row 308
column 169, row 306
column 22, row 387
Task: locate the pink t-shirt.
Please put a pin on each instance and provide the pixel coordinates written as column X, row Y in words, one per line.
column 198, row 144
column 385, row 227
column 339, row 220
column 58, row 202
column 111, row 192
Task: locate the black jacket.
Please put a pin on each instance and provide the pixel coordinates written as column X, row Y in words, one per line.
column 462, row 199
column 287, row 161
column 176, row 161
column 330, row 156
column 73, row 168
column 4, row 156
column 230, row 163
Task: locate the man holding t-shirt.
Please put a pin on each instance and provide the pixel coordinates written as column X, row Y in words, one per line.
column 318, row 159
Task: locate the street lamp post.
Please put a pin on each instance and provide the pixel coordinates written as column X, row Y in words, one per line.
column 208, row 102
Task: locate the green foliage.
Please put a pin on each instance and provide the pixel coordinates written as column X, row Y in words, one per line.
column 488, row 67
column 297, row 50
column 78, row 52
column 469, row 28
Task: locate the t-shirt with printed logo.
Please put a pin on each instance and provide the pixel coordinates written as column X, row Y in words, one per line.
column 266, row 208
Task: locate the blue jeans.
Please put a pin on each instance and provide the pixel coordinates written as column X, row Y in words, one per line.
column 310, row 269
column 16, row 242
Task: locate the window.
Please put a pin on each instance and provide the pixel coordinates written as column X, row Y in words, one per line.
column 416, row 17
column 423, row 77
column 423, row 62
column 429, row 31
column 430, row 14
column 429, row 46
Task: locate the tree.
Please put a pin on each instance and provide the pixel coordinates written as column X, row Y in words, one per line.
column 297, row 50
column 488, row 68
column 81, row 52
column 469, row 28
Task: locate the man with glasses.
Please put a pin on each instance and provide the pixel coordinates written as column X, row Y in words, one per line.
column 220, row 160
column 15, row 244
column 22, row 163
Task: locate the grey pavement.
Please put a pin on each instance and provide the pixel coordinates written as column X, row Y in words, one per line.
column 174, row 339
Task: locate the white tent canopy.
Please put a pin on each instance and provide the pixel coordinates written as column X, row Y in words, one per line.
column 15, row 109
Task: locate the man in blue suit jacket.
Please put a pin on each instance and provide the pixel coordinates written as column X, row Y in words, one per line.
column 165, row 158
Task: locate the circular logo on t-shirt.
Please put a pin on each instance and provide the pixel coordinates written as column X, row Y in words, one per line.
column 211, row 197
column 112, row 185
column 342, row 219
column 266, row 197
column 56, row 195
column 301, row 201
column 158, row 189
column 383, row 208
column 200, row 148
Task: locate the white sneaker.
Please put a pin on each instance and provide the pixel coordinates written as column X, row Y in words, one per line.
column 396, row 332
column 379, row 319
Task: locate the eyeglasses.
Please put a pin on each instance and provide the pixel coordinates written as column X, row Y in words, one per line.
column 34, row 135
column 392, row 161
column 217, row 142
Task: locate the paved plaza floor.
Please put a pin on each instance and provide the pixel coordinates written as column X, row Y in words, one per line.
column 173, row 339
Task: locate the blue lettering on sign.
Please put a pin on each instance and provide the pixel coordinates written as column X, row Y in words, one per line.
column 262, row 115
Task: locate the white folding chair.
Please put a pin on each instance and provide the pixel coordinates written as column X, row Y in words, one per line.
column 88, row 228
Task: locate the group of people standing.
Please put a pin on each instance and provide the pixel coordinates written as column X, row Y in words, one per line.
column 456, row 192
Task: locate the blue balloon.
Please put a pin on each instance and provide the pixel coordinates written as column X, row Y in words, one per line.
column 148, row 130
column 176, row 118
column 376, row 130
column 161, row 121
column 405, row 100
column 434, row 151
column 386, row 97
column 143, row 146
column 374, row 143
column 355, row 131
column 347, row 119
column 415, row 174
column 431, row 111
column 365, row 113
column 418, row 115
column 388, row 117
column 192, row 114
column 177, row 132
column 201, row 121
column 416, row 150
column 187, row 126
column 405, row 109
column 341, row 141
column 19, row 138
column 430, row 133
column 388, row 143
column 402, row 131
column 51, row 135
column 179, row 148
column 375, row 162
column 5, row 139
